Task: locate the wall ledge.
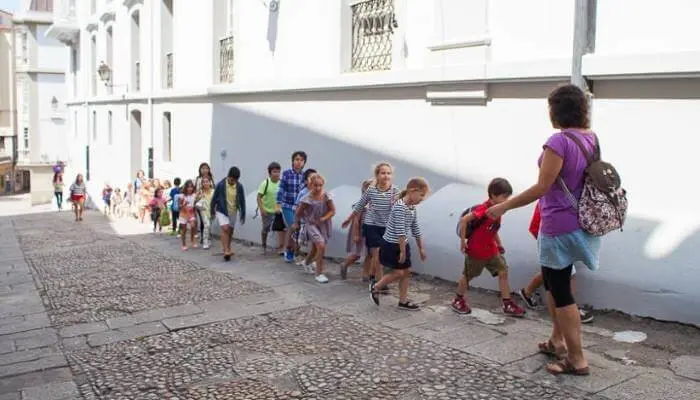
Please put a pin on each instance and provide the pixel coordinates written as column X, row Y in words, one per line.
column 642, row 66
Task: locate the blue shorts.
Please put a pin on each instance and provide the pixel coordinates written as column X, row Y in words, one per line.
column 288, row 216
column 373, row 235
column 558, row 252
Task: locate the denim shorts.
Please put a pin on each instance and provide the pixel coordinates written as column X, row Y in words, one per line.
column 558, row 252
column 288, row 216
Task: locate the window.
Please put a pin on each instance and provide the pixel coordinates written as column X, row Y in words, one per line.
column 226, row 42
column 373, row 24
column 109, row 127
column 93, row 64
column 54, row 104
column 75, row 124
column 25, row 47
column 94, row 125
column 110, row 56
column 226, row 60
column 167, row 137
column 2, row 143
column 25, row 138
column 74, row 69
column 25, row 95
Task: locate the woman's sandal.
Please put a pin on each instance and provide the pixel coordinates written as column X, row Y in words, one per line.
column 227, row 257
column 566, row 368
column 548, row 348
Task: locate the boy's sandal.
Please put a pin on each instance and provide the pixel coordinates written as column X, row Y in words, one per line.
column 548, row 348
column 564, row 367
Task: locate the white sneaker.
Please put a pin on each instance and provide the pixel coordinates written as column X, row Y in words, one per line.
column 310, row 268
column 206, row 247
column 321, row 278
column 300, row 262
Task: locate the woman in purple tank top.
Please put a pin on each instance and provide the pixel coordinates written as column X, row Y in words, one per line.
column 561, row 241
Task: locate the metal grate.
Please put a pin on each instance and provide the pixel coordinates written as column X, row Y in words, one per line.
column 169, row 71
column 137, row 75
column 373, row 24
column 226, row 60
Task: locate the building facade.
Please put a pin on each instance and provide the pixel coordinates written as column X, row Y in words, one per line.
column 41, row 63
column 451, row 90
column 7, row 101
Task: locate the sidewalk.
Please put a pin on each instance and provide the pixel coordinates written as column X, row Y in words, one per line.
column 122, row 313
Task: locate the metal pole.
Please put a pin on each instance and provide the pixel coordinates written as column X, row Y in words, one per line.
column 584, row 43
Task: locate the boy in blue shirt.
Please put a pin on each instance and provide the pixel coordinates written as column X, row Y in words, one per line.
column 174, row 205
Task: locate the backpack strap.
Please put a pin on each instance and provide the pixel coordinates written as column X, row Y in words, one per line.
column 590, row 158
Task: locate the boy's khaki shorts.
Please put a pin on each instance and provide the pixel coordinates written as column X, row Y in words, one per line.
column 474, row 267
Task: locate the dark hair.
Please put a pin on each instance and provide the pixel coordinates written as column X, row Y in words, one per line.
column 234, row 173
column 273, row 166
column 299, row 153
column 199, row 171
column 499, row 186
column 308, row 173
column 568, row 107
column 188, row 183
column 177, row 181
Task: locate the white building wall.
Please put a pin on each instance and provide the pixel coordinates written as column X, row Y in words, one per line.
column 51, row 54
column 291, row 91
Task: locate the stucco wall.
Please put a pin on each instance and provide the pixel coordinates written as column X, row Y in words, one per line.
column 649, row 269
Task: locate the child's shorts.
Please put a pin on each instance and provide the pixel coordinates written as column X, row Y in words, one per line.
column 373, row 235
column 278, row 223
column 226, row 220
column 474, row 267
column 389, row 255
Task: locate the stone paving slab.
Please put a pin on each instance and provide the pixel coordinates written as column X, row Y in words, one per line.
column 55, row 391
column 126, row 333
column 654, row 385
column 604, row 373
column 153, row 315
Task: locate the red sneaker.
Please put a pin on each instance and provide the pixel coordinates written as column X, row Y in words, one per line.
column 459, row 305
column 512, row 308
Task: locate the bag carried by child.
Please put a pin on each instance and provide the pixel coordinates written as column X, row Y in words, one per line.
column 602, row 207
column 471, row 225
column 164, row 217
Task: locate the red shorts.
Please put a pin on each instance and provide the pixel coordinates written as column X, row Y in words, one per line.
column 77, row 198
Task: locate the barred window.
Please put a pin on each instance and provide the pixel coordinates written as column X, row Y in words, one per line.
column 373, row 24
column 226, row 60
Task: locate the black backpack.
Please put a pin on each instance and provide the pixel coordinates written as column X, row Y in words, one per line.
column 471, row 225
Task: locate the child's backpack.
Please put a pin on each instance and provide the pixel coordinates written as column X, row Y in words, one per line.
column 602, row 207
column 471, row 225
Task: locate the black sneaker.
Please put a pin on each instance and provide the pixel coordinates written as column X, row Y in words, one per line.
column 409, row 305
column 586, row 317
column 373, row 294
column 528, row 300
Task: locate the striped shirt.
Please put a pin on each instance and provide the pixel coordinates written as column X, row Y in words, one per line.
column 77, row 189
column 403, row 221
column 379, row 205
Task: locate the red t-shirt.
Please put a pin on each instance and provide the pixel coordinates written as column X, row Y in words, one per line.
column 535, row 221
column 482, row 242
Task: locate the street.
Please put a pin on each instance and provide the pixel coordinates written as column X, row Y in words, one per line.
column 108, row 310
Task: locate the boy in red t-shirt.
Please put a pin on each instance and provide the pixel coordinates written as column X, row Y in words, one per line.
column 483, row 249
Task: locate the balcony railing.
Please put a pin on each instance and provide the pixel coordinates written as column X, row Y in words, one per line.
column 226, row 60
column 169, row 71
column 137, row 76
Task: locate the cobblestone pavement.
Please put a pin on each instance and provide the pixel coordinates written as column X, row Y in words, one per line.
column 122, row 314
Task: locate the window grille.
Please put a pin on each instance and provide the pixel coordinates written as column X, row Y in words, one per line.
column 373, row 24
column 226, row 60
